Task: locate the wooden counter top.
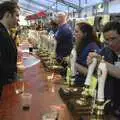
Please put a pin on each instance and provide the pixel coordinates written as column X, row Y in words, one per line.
column 44, row 95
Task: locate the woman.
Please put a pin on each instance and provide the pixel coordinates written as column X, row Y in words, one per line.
column 86, row 41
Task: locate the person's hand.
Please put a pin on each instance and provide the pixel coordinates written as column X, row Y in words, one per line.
column 91, row 56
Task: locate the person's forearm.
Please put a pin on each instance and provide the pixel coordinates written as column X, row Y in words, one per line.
column 113, row 71
column 83, row 70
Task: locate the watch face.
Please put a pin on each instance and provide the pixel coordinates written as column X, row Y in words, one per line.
column 117, row 64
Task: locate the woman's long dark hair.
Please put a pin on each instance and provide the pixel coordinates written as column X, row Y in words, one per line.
column 89, row 36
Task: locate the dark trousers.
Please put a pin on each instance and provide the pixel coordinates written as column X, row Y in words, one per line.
column 64, row 64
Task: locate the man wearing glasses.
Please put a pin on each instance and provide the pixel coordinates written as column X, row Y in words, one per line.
column 111, row 32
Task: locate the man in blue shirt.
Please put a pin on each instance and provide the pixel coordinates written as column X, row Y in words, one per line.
column 64, row 38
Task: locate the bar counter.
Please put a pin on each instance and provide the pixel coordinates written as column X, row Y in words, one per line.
column 44, row 95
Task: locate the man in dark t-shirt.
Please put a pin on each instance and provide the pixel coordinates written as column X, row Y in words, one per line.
column 64, row 38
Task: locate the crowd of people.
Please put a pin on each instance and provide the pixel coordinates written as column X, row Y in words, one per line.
column 89, row 46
